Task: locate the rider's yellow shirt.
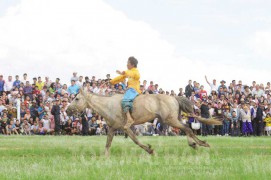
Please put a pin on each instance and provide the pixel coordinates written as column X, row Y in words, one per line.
column 133, row 79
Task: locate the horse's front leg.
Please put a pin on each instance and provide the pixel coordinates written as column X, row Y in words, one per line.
column 110, row 136
column 130, row 133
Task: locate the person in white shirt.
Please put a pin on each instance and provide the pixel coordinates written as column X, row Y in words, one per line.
column 89, row 113
column 47, row 124
column 258, row 92
column 213, row 85
column 8, row 84
column 95, row 89
column 47, row 82
column 63, row 116
column 24, row 79
column 80, row 82
column 74, row 77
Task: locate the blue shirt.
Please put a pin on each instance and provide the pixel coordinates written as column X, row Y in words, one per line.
column 2, row 82
column 17, row 83
column 73, row 89
column 40, row 109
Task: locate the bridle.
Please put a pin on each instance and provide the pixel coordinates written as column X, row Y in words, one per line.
column 77, row 111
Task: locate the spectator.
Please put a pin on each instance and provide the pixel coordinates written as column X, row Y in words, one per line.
column 267, row 120
column 144, row 86
column 17, row 82
column 8, row 85
column 73, row 89
column 35, row 128
column 47, row 124
column 258, row 121
column 222, row 85
column 202, row 93
column 26, row 128
column 68, row 127
column 235, row 125
column 180, row 92
column 34, row 81
column 56, row 113
column 212, row 85
column 204, row 109
column 52, row 88
column 151, row 88
column 39, row 84
column 226, row 121
column 189, row 89
column 257, row 92
column 17, row 127
column 27, row 116
column 247, row 129
column 74, row 77
column 4, row 122
column 80, row 82
column 41, row 110
column 28, row 90
column 41, row 130
column 2, row 84
column 25, row 79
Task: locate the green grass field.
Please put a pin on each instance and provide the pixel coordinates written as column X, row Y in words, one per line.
column 78, row 157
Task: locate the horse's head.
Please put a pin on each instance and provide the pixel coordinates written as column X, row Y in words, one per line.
column 79, row 104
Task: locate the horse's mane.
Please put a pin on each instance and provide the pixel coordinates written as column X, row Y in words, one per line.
column 99, row 95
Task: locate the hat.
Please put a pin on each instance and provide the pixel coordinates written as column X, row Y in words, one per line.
column 76, row 119
column 222, row 81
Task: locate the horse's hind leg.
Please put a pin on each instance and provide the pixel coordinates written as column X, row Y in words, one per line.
column 110, row 136
column 191, row 137
column 130, row 133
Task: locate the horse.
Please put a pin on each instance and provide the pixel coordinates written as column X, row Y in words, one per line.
column 145, row 108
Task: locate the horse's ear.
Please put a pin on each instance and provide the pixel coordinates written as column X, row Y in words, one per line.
column 81, row 91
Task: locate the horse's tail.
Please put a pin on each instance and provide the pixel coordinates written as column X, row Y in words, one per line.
column 185, row 104
column 210, row 121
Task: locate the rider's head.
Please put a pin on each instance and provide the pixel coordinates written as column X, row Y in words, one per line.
column 132, row 62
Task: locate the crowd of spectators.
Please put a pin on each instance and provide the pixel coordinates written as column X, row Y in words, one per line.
column 244, row 109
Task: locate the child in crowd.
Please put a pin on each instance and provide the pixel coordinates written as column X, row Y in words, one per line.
column 26, row 128
column 226, row 121
column 35, row 128
column 267, row 120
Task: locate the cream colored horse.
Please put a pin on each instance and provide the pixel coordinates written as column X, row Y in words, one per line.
column 146, row 108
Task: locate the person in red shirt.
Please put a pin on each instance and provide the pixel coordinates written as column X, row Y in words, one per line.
column 202, row 92
column 36, row 91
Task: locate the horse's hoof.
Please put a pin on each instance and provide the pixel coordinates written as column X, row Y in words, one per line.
column 193, row 145
column 207, row 145
column 151, row 152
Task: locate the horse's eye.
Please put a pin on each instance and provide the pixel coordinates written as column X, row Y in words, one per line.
column 76, row 99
